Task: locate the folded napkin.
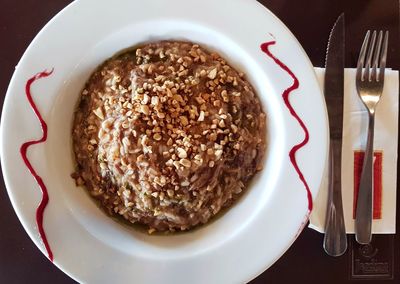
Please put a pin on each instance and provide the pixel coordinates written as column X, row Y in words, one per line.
column 355, row 123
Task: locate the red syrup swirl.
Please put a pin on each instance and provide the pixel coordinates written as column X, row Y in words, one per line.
column 23, row 150
column 286, row 94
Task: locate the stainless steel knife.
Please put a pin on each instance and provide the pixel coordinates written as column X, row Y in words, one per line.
column 335, row 240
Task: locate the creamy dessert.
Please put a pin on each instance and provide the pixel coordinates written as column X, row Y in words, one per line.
column 167, row 134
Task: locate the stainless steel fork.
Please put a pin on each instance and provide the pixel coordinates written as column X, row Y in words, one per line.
column 369, row 82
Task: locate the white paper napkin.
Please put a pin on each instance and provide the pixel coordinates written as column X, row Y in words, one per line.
column 354, row 139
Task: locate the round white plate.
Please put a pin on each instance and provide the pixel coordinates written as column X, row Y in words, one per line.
column 93, row 248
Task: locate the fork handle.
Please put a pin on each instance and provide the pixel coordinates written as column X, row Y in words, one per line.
column 363, row 220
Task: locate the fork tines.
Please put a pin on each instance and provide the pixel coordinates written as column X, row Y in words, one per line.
column 377, row 54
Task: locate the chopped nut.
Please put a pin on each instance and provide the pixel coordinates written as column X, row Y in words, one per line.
column 146, row 99
column 212, row 74
column 185, row 162
column 217, row 146
column 157, row 137
column 213, row 137
column 169, row 93
column 200, row 100
column 201, row 116
column 234, row 128
column 217, row 103
column 185, row 183
column 144, row 109
column 184, row 120
column 181, row 153
column 99, row 113
column 126, row 141
column 154, row 100
column 218, row 154
column 178, row 98
column 163, row 180
column 176, row 164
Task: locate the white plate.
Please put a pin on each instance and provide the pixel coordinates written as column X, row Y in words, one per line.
column 91, row 247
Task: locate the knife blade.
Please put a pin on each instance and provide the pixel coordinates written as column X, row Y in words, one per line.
column 335, row 240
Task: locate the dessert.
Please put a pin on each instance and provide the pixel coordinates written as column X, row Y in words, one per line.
column 167, row 134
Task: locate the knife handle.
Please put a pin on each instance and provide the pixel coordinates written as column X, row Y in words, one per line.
column 335, row 239
column 363, row 222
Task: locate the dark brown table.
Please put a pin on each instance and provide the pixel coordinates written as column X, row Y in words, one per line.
column 305, row 261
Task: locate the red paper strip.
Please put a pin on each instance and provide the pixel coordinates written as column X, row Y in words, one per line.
column 358, row 162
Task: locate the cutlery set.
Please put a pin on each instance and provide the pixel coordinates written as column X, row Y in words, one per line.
column 369, row 84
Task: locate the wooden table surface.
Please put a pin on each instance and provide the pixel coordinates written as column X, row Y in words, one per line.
column 305, row 261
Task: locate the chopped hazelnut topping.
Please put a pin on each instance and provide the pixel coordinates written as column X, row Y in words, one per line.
column 181, row 153
column 167, row 135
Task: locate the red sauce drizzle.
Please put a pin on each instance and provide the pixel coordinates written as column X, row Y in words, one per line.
column 23, row 151
column 286, row 93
